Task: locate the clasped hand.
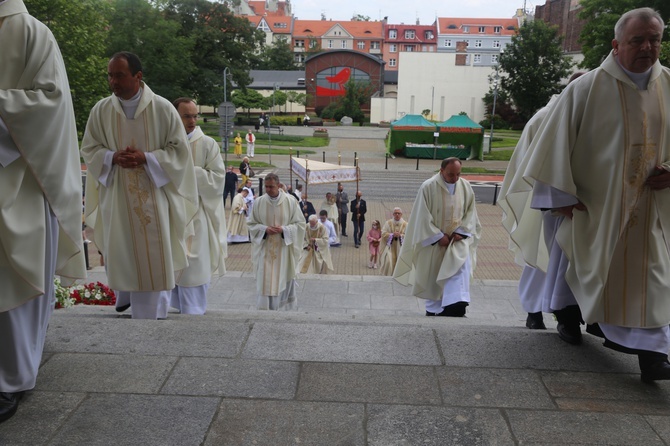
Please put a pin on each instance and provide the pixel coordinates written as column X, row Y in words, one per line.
column 659, row 179
column 272, row 230
column 446, row 240
column 129, row 158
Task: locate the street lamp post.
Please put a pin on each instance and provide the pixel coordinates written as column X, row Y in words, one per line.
column 496, row 78
column 225, row 98
column 275, row 87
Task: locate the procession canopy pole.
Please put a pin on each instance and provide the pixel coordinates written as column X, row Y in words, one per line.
column 339, row 158
column 306, row 174
column 358, row 174
column 290, row 166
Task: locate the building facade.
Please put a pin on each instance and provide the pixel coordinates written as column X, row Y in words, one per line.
column 407, row 38
column 484, row 39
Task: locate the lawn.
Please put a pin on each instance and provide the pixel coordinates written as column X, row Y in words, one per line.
column 211, row 128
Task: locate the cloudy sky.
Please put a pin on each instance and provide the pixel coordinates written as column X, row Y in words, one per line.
column 407, row 11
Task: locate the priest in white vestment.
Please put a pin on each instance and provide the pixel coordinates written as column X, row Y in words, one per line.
column 438, row 255
column 330, row 206
column 277, row 229
column 40, row 195
column 141, row 194
column 601, row 158
column 238, row 231
column 333, row 239
column 315, row 258
column 393, row 237
column 207, row 248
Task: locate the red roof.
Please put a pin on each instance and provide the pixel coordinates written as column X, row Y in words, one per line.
column 452, row 25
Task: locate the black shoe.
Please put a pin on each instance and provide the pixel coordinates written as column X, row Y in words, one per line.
column 345, row 235
column 594, row 329
column 428, row 313
column 122, row 308
column 454, row 310
column 654, row 367
column 571, row 334
column 9, row 403
column 534, row 321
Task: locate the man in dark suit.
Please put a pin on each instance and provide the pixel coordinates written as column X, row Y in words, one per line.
column 342, row 199
column 306, row 207
column 358, row 210
column 230, row 185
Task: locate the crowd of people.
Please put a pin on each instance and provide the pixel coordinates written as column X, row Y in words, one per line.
column 593, row 222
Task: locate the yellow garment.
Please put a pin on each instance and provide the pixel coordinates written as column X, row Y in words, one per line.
column 141, row 229
column 36, row 106
column 238, row 145
column 237, row 223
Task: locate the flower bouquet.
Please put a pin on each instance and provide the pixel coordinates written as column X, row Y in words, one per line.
column 94, row 293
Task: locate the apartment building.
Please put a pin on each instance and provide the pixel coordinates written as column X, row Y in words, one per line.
column 484, row 38
column 407, row 38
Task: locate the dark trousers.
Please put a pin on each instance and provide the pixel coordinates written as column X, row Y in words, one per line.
column 343, row 223
column 358, row 231
column 225, row 195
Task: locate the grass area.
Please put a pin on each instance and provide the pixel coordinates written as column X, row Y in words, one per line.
column 482, row 170
column 211, row 128
column 498, row 155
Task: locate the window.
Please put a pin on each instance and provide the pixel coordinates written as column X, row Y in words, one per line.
column 300, row 58
column 409, row 48
column 447, row 43
column 428, row 35
column 478, row 43
column 393, row 48
column 393, row 33
column 391, row 62
column 300, row 44
column 496, row 44
column 482, row 29
column 478, row 58
column 374, row 45
column 409, row 34
column 494, row 58
column 313, row 43
column 343, row 44
column 264, row 26
column 466, row 29
column 361, row 44
column 497, row 29
column 280, row 25
column 330, row 44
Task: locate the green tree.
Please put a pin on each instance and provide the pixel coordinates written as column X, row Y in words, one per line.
column 313, row 47
column 80, row 28
column 221, row 40
column 360, row 18
column 601, row 16
column 139, row 27
column 532, row 67
column 278, row 56
column 248, row 99
column 293, row 97
column 278, row 98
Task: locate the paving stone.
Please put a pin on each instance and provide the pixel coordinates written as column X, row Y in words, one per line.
column 342, row 343
column 368, row 383
column 473, row 346
column 346, row 301
column 661, row 425
column 311, row 300
column 176, row 337
column 86, row 372
column 614, row 386
column 394, row 302
column 233, row 378
column 493, row 388
column 580, row 428
column 314, row 286
column 39, row 416
column 133, row 420
column 248, row 422
column 376, row 288
column 439, row 426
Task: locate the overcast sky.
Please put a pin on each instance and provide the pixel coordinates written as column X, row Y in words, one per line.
column 407, row 11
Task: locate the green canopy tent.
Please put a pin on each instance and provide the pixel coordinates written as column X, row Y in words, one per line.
column 463, row 137
column 410, row 128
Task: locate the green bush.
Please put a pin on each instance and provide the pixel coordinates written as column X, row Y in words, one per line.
column 498, row 123
column 285, row 120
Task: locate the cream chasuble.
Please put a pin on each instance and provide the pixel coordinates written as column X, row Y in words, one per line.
column 36, row 107
column 237, row 223
column 208, row 247
column 275, row 257
column 602, row 155
column 316, row 258
column 140, row 228
column 391, row 245
column 435, row 212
